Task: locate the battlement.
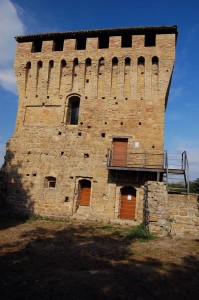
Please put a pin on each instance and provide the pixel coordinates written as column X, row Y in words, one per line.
column 100, row 39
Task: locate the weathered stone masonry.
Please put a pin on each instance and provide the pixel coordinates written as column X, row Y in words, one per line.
column 90, row 123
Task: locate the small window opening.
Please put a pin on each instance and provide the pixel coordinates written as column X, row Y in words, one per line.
column 36, row 46
column 62, row 153
column 79, row 133
column 71, row 177
column 59, row 132
column 66, row 199
column 51, row 63
column 28, row 65
column 105, row 123
column 89, row 126
column 87, row 80
column 141, row 61
column 86, row 155
column 150, row 39
column 63, row 63
column 48, row 97
column 103, row 41
column 126, row 98
column 81, row 43
column 88, row 62
column 103, row 134
column 49, row 182
column 140, row 123
column 58, row 45
column 126, row 41
column 74, row 103
column 27, row 174
column 116, row 103
column 39, row 64
column 153, row 146
column 155, row 60
column 121, row 123
column 75, row 61
column 81, row 123
column 127, row 61
column 114, row 61
column 34, row 174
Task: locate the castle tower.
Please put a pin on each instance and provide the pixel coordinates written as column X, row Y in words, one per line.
column 90, row 124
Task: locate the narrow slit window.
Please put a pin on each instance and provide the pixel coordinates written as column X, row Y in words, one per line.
column 73, row 110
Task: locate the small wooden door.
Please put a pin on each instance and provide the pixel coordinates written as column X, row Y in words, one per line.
column 85, row 192
column 119, row 152
column 128, row 203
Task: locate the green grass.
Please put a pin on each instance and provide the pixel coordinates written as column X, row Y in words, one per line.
column 139, row 233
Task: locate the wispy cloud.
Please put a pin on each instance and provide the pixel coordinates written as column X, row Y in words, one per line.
column 10, row 26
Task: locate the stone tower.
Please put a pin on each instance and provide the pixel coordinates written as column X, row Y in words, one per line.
column 90, row 122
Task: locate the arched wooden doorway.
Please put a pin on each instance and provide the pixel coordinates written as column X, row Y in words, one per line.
column 84, row 192
column 128, row 203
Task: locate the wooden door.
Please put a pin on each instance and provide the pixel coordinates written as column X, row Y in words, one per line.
column 85, row 192
column 119, row 152
column 128, row 203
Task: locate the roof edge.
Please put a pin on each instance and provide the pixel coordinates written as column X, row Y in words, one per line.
column 96, row 32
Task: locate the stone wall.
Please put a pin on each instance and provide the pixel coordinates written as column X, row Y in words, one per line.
column 122, row 91
column 170, row 214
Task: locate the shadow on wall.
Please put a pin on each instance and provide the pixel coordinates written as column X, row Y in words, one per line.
column 15, row 196
column 81, row 263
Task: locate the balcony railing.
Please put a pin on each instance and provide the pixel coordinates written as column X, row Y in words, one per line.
column 137, row 160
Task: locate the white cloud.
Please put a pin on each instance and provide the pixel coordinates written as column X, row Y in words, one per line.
column 10, row 26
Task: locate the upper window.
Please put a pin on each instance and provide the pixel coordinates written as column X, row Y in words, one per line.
column 73, row 110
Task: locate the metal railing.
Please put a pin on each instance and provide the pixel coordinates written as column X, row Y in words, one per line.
column 137, row 160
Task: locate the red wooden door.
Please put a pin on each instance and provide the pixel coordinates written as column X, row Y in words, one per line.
column 128, row 203
column 85, row 192
column 119, row 152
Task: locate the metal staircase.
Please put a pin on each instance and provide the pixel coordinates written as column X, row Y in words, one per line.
column 176, row 171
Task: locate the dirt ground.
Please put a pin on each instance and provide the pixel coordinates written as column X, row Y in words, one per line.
column 42, row 259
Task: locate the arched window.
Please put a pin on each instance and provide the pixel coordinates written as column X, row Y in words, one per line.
column 63, row 63
column 88, row 62
column 51, row 64
column 73, row 110
column 127, row 61
column 141, row 61
column 39, row 64
column 114, row 61
column 49, row 182
column 28, row 66
column 154, row 60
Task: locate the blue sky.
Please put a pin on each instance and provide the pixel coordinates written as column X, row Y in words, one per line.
column 18, row 17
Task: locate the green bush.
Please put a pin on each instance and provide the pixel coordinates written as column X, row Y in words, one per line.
column 139, row 233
